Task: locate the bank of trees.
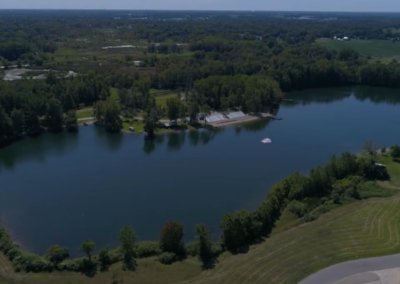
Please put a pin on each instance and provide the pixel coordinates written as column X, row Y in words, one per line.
column 28, row 107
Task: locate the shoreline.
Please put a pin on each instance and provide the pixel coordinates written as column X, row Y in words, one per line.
column 219, row 124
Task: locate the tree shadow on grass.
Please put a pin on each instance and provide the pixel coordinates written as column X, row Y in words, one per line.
column 396, row 160
column 210, row 264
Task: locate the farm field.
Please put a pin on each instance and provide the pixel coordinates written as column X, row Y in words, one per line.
column 375, row 48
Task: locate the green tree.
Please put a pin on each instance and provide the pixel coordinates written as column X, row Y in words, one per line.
column 18, row 121
column 173, row 107
column 395, row 151
column 205, row 244
column 32, row 123
column 87, row 247
column 71, row 122
column 54, row 115
column 150, row 120
column 193, row 111
column 183, row 111
column 112, row 116
column 240, row 229
column 104, row 258
column 171, row 237
column 108, row 113
column 371, row 148
column 128, row 238
column 6, row 127
column 56, row 254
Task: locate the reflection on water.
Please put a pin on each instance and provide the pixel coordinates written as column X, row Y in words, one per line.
column 326, row 96
column 113, row 141
column 37, row 149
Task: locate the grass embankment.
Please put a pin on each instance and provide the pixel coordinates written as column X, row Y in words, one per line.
column 384, row 49
column 361, row 229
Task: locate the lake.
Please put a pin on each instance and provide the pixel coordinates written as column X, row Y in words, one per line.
column 66, row 188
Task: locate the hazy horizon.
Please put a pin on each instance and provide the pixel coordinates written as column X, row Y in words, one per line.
column 211, row 5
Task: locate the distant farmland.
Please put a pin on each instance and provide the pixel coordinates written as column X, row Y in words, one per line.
column 374, row 48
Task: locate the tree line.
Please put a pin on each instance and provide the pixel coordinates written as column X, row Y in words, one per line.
column 28, row 107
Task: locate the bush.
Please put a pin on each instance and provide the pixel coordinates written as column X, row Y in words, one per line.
column 309, row 217
column 70, row 265
column 167, row 257
column 395, row 152
column 147, row 248
column 335, row 197
column 192, row 248
column 30, row 263
column 297, row 208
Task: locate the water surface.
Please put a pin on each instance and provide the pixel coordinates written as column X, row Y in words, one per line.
column 66, row 188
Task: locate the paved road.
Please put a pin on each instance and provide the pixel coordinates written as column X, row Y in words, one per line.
column 339, row 271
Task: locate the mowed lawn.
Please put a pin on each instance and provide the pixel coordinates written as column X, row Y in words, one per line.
column 374, row 48
column 84, row 112
column 362, row 229
column 162, row 100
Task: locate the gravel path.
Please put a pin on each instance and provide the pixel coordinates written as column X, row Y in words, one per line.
column 340, row 271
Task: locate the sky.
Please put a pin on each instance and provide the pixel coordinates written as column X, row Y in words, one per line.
column 265, row 5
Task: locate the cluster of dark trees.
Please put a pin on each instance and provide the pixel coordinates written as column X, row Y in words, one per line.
column 168, row 249
column 28, row 107
column 342, row 178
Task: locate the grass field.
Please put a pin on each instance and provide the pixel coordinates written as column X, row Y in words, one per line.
column 114, row 94
column 373, row 48
column 85, row 112
column 362, row 229
column 162, row 100
column 138, row 125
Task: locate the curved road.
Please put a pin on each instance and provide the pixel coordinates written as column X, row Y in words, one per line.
column 343, row 270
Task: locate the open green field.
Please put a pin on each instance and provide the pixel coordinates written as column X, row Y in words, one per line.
column 162, row 100
column 138, row 125
column 361, row 229
column 373, row 48
column 85, row 112
column 114, row 94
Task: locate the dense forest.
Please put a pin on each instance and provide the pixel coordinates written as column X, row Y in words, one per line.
column 219, row 60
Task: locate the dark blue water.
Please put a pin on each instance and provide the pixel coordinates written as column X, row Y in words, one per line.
column 66, row 188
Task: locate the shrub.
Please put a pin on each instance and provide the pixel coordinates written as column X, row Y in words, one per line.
column 56, row 254
column 167, row 257
column 69, row 265
column 395, row 152
column 297, row 208
column 147, row 248
column 323, row 200
column 104, row 258
column 309, row 217
column 335, row 197
column 30, row 263
column 192, row 248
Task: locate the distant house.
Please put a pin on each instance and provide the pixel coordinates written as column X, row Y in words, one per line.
column 345, row 38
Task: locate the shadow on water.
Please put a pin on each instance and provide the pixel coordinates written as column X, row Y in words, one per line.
column 175, row 141
column 38, row 149
column 113, row 141
column 361, row 93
